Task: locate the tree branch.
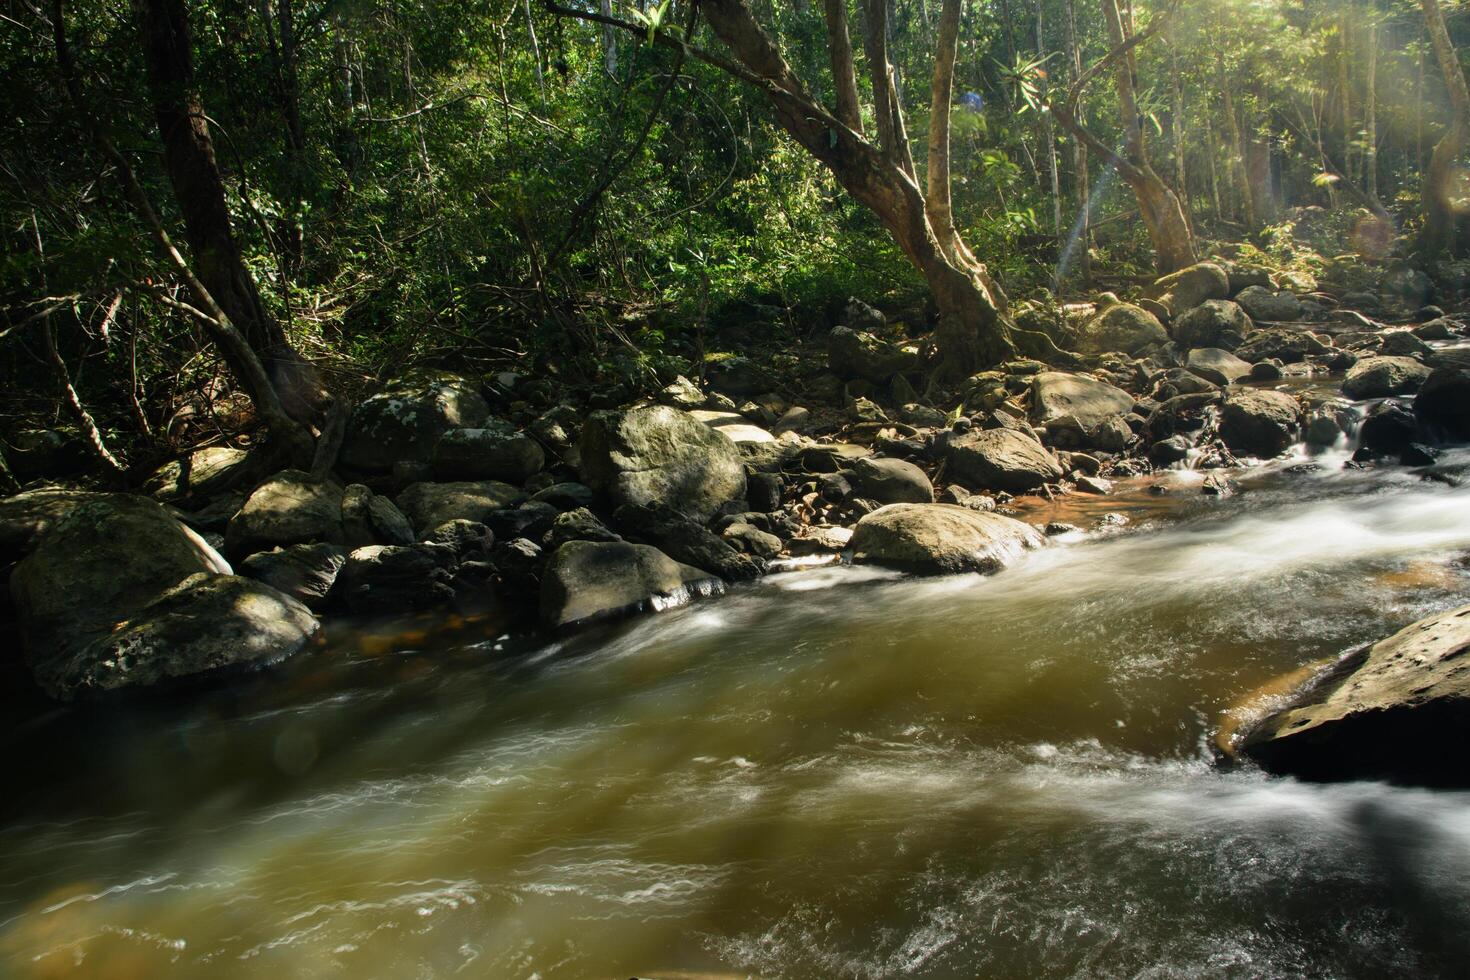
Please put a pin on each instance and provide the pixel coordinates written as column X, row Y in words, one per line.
column 844, row 74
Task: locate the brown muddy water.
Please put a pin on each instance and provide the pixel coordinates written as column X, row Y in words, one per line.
column 831, row 773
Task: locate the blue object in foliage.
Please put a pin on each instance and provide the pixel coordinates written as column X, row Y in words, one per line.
column 972, row 101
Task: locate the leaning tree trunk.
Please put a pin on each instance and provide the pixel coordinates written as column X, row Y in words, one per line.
column 188, row 153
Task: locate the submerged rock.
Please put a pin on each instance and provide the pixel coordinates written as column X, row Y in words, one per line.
column 586, row 582
column 1398, row 711
column 1000, row 459
column 940, row 539
column 660, row 455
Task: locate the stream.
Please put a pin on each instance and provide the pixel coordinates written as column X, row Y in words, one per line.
column 837, row 772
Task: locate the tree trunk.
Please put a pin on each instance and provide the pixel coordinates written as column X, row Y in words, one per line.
column 1083, row 230
column 1440, row 219
column 1370, row 111
column 1237, row 155
column 1048, row 134
column 189, row 158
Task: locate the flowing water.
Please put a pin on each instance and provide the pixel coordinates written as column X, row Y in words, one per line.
column 833, row 773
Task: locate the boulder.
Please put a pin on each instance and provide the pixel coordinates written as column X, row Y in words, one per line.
column 683, row 393
column 1379, row 377
column 1406, row 286
column 940, row 539
column 1281, row 343
column 465, row 538
column 661, row 455
column 203, row 473
column 1402, row 343
column 1189, row 287
column 565, row 496
column 1393, row 712
column 892, row 481
column 393, row 578
column 206, row 623
column 305, row 572
column 1218, row 366
column 53, row 454
column 686, row 541
column 854, row 354
column 368, row 518
column 494, row 451
column 736, row 375
column 427, row 505
column 1443, row 403
column 752, row 540
column 25, row 517
column 734, row 426
column 406, row 421
column 1000, row 459
column 1259, row 423
column 1390, row 427
column 587, row 581
column 1121, row 327
column 1262, row 304
column 291, row 507
column 1214, row 323
column 1088, row 400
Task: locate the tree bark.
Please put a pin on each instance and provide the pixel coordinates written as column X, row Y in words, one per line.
column 189, row 158
column 1440, row 219
column 1370, row 111
column 844, row 74
column 1079, row 155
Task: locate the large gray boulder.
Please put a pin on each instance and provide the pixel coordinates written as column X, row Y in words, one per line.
column 115, row 593
column 1189, row 287
column 406, row 421
column 291, row 507
column 1380, row 377
column 427, row 505
column 856, row 354
column 1091, row 402
column 1121, row 327
column 1000, row 459
column 1259, row 423
column 940, row 539
column 1398, row 711
column 1443, row 403
column 660, row 455
column 493, row 451
column 1262, row 304
column 1217, row 366
column 588, row 581
column 206, row 623
column 892, row 481
column 1214, row 323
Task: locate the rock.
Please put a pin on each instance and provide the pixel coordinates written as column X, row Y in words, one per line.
column 1281, row 343
column 1000, row 459
column 578, row 525
column 406, row 421
column 1379, row 377
column 203, row 473
column 1323, row 429
column 565, row 496
column 831, row 457
column 290, row 508
column 1090, row 401
column 1189, row 287
column 1388, row 429
column 494, row 451
column 1218, row 366
column 1214, row 323
column 427, row 505
column 686, row 541
column 1395, row 712
column 36, row 454
column 1443, row 403
column 763, row 491
column 1243, row 277
column 735, row 375
column 1259, row 423
column 1406, row 286
column 661, row 455
column 1402, row 343
column 558, row 427
column 683, row 393
column 1121, row 327
column 1094, row 484
column 866, row 410
column 305, row 572
column 1262, row 304
column 940, row 539
column 752, row 540
column 819, row 540
column 1437, row 329
column 517, row 565
column 586, row 582
column 734, row 426
column 1418, row 454
column 26, row 516
column 1266, row 371
column 466, row 539
column 854, row 354
column 861, row 316
column 382, row 579
column 204, row 624
column 368, row 518
column 892, row 481
column 794, row 419
column 1166, row 452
